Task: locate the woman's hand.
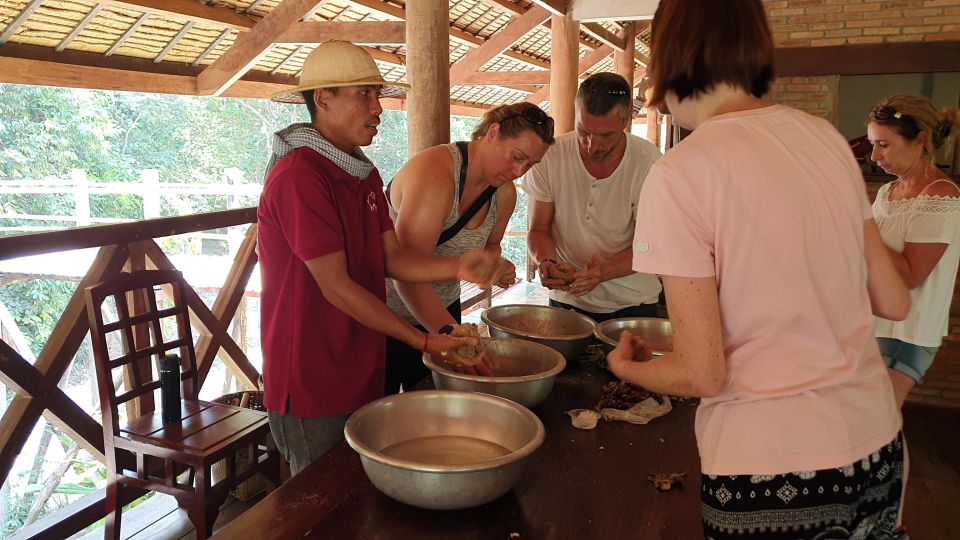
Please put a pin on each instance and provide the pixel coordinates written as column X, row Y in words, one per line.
column 482, row 267
column 508, row 278
column 630, row 349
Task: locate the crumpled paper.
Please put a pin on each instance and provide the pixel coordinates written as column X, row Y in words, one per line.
column 584, row 418
column 641, row 413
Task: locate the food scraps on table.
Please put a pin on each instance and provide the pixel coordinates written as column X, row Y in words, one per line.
column 665, row 481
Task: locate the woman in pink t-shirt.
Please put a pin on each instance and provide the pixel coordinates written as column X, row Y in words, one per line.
column 759, row 225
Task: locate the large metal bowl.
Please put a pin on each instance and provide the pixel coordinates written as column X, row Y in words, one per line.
column 523, row 371
column 563, row 330
column 443, row 450
column 655, row 331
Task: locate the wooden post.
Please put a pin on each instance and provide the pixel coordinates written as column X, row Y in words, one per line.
column 81, row 196
column 564, row 54
column 428, row 72
column 623, row 60
column 653, row 126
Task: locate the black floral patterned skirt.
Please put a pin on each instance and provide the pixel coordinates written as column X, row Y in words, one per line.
column 858, row 501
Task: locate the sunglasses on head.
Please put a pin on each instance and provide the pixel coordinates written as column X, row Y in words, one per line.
column 886, row 113
column 535, row 116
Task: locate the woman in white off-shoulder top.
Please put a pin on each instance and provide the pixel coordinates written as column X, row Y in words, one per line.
column 918, row 215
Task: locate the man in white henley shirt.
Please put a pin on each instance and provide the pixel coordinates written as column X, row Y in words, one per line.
column 583, row 201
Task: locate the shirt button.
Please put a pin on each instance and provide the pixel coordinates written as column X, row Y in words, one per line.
column 588, row 218
column 590, row 204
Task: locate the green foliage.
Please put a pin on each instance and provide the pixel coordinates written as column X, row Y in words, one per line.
column 36, row 305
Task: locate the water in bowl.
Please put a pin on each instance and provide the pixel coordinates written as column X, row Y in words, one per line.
column 446, row 450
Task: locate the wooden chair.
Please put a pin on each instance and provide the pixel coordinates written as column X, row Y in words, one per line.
column 166, row 454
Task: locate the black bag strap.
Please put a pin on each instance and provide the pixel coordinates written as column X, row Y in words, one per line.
column 483, row 199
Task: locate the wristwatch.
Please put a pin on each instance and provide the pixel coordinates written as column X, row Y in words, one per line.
column 446, row 329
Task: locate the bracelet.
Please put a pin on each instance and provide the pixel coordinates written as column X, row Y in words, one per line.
column 554, row 261
column 426, row 340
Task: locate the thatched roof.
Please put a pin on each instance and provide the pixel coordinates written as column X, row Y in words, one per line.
column 167, row 45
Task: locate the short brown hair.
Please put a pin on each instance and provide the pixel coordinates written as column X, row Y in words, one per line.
column 697, row 44
column 603, row 91
column 515, row 119
column 911, row 115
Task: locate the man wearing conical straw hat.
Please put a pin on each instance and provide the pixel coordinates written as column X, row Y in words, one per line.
column 326, row 243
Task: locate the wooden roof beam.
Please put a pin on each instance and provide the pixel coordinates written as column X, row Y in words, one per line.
column 498, row 43
column 79, row 28
column 187, row 11
column 587, row 62
column 455, row 33
column 251, row 46
column 555, row 7
column 601, row 34
column 360, row 33
column 504, row 78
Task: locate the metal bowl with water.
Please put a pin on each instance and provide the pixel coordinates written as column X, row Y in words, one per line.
column 655, row 331
column 563, row 330
column 443, row 450
column 523, row 371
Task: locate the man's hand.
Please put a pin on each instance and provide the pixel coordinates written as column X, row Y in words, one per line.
column 549, row 282
column 443, row 350
column 586, row 281
column 630, row 349
column 483, row 267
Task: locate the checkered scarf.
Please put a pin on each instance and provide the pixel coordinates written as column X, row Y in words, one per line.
column 299, row 135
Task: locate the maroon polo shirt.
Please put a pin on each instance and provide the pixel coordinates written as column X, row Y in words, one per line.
column 314, row 355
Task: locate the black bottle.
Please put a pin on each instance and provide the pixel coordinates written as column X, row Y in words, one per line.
column 170, row 387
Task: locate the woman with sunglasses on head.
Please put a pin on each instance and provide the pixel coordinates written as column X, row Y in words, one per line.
column 760, row 226
column 452, row 198
column 918, row 215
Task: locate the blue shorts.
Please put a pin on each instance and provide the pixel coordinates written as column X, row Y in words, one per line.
column 907, row 358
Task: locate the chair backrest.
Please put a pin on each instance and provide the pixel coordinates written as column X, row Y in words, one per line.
column 163, row 328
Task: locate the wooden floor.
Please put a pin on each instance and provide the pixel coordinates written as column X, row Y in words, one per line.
column 932, row 504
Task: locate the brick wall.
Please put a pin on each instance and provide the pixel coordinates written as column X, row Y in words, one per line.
column 821, row 23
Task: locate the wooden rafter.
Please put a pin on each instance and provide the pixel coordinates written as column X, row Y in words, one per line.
column 498, row 43
column 555, row 7
column 583, row 66
column 79, row 28
column 130, row 31
column 251, row 46
column 15, row 23
column 504, row 78
column 173, row 42
column 360, row 33
column 187, row 11
column 458, row 35
column 213, row 46
column 601, row 34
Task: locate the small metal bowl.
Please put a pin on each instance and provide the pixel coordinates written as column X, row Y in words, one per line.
column 443, row 450
column 523, row 371
column 563, row 330
column 655, row 331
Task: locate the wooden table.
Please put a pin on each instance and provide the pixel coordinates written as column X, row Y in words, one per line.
column 579, row 484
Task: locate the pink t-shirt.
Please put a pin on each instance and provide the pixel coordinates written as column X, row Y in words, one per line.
column 771, row 202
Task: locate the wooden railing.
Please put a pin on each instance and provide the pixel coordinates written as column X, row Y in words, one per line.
column 122, row 247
